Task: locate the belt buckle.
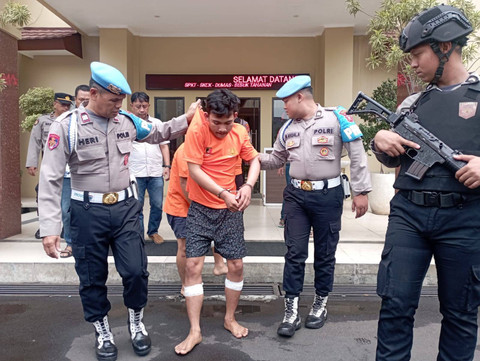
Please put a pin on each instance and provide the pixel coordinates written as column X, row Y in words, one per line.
column 306, row 185
column 110, row 198
column 432, row 199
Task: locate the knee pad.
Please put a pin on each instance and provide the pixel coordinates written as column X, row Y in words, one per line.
column 195, row 290
column 236, row 286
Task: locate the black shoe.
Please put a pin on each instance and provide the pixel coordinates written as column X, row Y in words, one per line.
column 106, row 352
column 37, row 234
column 288, row 329
column 141, row 342
column 318, row 313
column 291, row 321
column 105, row 348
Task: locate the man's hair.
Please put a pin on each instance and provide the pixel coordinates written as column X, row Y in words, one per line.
column 222, row 102
column 140, row 96
column 308, row 91
column 94, row 84
column 82, row 87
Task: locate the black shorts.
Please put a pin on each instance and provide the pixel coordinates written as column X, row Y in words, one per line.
column 221, row 226
column 178, row 225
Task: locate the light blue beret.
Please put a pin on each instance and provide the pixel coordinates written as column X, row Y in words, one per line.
column 294, row 85
column 109, row 78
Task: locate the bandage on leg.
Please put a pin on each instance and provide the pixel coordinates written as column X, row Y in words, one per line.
column 236, row 286
column 195, row 290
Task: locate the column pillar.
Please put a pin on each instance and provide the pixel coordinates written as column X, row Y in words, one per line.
column 10, row 199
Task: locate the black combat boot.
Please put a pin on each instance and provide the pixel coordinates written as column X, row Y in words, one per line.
column 141, row 342
column 318, row 313
column 104, row 345
column 291, row 321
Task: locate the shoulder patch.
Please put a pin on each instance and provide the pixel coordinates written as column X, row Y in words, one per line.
column 143, row 128
column 53, row 141
column 349, row 130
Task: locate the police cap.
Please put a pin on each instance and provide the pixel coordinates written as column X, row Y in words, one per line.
column 442, row 23
column 294, row 85
column 109, row 78
column 63, row 98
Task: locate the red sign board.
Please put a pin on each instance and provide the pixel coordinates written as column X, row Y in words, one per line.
column 217, row 81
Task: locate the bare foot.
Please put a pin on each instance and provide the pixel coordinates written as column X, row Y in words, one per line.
column 192, row 340
column 221, row 269
column 235, row 328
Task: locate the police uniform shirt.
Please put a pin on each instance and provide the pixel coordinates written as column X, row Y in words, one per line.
column 314, row 148
column 98, row 160
column 38, row 138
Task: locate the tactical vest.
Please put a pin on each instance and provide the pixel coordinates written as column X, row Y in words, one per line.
column 454, row 117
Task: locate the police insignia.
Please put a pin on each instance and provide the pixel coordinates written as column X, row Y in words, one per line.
column 84, row 117
column 324, row 152
column 114, row 89
column 466, row 110
column 53, row 141
column 322, row 140
column 290, row 143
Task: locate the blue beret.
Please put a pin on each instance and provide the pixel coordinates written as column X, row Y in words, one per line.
column 294, row 85
column 109, row 78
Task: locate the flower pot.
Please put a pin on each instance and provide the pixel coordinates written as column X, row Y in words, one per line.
column 382, row 192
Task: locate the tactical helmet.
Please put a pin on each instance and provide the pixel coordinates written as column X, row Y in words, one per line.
column 441, row 23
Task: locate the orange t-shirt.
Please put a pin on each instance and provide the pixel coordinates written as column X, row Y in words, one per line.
column 218, row 158
column 175, row 202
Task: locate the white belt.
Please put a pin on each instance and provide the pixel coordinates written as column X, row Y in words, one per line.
column 308, row 185
column 104, row 198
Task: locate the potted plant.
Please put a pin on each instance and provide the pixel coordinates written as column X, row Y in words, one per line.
column 382, row 182
column 16, row 14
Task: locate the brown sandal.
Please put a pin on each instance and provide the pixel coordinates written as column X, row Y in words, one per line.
column 67, row 252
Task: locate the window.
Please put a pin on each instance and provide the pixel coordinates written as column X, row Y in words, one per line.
column 279, row 117
column 166, row 109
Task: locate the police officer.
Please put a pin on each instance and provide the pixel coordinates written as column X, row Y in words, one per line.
column 39, row 134
column 439, row 214
column 312, row 141
column 96, row 141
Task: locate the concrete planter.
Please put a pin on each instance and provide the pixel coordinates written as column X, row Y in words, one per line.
column 382, row 192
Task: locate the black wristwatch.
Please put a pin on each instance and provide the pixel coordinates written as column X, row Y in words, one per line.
column 167, row 166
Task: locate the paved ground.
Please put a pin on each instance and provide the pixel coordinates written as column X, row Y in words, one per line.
column 52, row 328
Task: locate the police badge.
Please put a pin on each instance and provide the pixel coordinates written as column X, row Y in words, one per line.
column 466, row 110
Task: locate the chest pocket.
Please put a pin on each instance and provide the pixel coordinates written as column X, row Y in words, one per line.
column 293, row 147
column 124, row 148
column 90, row 160
column 322, row 146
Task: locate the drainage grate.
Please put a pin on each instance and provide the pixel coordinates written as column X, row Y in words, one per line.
column 117, row 290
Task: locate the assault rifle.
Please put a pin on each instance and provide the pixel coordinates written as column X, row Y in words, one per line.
column 432, row 150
